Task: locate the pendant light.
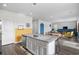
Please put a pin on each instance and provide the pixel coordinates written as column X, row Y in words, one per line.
column 5, row 5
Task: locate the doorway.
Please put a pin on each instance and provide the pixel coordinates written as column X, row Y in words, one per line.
column 41, row 28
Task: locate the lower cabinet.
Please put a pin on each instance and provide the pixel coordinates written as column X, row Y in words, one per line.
column 39, row 47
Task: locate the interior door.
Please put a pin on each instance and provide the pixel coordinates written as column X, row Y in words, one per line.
column 41, row 28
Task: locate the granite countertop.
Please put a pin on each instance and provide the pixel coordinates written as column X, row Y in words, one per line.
column 46, row 38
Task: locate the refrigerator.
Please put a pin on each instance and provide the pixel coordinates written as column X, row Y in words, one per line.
column 0, row 42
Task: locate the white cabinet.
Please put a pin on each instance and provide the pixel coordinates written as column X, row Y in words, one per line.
column 39, row 47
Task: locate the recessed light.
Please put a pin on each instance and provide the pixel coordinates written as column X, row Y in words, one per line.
column 51, row 16
column 33, row 4
column 4, row 5
column 42, row 17
column 31, row 13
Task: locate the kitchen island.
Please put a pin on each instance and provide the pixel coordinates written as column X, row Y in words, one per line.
column 40, row 44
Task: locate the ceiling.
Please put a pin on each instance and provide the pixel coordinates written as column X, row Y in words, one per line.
column 44, row 10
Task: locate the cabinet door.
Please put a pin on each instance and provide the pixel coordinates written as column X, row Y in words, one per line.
column 24, row 41
column 34, row 45
column 30, row 43
column 37, row 47
column 42, row 48
column 27, row 42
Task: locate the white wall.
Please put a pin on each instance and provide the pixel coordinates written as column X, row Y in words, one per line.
column 78, row 19
column 23, row 22
column 10, row 21
column 67, row 19
column 70, row 22
column 70, row 25
column 35, row 26
column 77, row 23
column 47, row 26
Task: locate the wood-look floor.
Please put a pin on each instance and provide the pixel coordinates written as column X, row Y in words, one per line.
column 14, row 49
column 64, row 50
